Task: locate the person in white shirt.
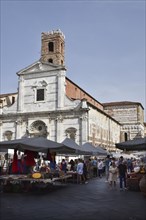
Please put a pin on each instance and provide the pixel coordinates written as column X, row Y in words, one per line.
column 100, row 167
column 80, row 174
column 113, row 174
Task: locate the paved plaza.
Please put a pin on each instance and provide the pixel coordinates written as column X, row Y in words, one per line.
column 92, row 201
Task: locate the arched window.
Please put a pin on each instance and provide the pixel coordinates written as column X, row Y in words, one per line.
column 51, row 46
column 50, row 60
column 38, row 128
column 71, row 133
column 125, row 136
column 61, row 47
column 8, row 135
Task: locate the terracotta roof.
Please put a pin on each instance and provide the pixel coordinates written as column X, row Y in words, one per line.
column 121, row 103
column 83, row 90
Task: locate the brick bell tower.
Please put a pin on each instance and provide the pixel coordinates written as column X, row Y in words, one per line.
column 53, row 47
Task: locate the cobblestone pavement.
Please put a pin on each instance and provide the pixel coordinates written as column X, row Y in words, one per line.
column 92, row 201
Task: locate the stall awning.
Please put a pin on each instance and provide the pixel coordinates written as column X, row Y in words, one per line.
column 138, row 144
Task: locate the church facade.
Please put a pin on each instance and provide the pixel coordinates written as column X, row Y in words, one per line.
column 49, row 104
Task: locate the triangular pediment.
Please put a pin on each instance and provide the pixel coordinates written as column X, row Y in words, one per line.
column 40, row 67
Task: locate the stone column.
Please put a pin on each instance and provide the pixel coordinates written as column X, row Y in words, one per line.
column 48, row 130
column 84, row 128
column 20, row 94
column 18, row 128
column 61, row 89
column 59, row 128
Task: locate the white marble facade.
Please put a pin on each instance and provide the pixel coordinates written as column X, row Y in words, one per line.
column 56, row 116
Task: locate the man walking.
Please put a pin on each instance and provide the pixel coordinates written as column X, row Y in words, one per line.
column 122, row 168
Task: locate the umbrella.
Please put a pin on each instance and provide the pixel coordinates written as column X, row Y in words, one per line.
column 94, row 150
column 72, row 144
column 38, row 144
column 138, row 144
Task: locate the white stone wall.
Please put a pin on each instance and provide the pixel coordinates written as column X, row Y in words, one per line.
column 103, row 129
column 8, row 125
column 29, row 95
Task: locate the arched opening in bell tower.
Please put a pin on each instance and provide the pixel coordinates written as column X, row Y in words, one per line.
column 51, row 46
column 50, row 60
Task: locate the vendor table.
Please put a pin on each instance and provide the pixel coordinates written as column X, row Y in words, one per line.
column 73, row 175
column 23, row 183
column 133, row 180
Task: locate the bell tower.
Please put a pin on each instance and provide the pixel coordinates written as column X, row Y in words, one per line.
column 53, row 47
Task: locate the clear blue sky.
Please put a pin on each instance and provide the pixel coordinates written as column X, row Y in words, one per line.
column 104, row 44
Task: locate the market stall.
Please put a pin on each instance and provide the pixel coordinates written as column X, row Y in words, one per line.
column 137, row 180
column 95, row 150
column 137, row 144
column 24, row 177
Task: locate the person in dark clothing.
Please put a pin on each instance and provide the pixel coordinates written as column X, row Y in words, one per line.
column 85, row 172
column 122, row 169
column 64, row 165
column 72, row 163
column 29, row 157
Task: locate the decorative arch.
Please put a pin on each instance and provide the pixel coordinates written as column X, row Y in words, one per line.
column 71, row 133
column 38, row 128
column 8, row 135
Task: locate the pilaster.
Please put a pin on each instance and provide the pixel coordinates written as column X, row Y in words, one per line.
column 20, row 94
